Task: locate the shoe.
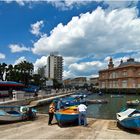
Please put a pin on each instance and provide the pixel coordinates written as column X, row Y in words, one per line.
column 85, row 125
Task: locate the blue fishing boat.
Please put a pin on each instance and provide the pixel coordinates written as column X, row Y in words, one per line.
column 129, row 118
column 69, row 101
column 68, row 116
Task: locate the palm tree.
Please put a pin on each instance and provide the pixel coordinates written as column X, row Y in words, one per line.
column 9, row 72
column 2, row 70
column 25, row 69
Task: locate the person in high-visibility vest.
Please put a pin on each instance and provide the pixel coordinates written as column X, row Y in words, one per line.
column 51, row 112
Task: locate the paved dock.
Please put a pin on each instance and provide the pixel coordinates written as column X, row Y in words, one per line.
column 39, row 130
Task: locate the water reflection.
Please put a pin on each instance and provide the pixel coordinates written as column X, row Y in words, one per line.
column 109, row 110
column 103, row 111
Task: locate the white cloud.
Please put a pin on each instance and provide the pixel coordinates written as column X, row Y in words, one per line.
column 113, row 4
column 2, row 56
column 17, row 48
column 35, row 28
column 87, row 69
column 40, row 63
column 20, row 2
column 97, row 33
column 70, row 60
column 68, row 4
column 19, row 60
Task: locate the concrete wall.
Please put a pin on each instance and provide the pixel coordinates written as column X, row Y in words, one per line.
column 29, row 100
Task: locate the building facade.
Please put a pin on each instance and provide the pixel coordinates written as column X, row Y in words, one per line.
column 55, row 67
column 94, row 82
column 125, row 77
column 78, row 81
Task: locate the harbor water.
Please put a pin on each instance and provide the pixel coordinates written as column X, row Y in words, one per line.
column 103, row 111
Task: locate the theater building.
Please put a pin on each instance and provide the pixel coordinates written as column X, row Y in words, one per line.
column 123, row 78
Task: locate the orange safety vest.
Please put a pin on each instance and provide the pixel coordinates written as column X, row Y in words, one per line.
column 51, row 109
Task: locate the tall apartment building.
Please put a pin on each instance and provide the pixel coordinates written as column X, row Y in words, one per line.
column 125, row 77
column 55, row 67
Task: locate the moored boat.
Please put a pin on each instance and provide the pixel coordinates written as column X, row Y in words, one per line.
column 129, row 118
column 15, row 113
column 68, row 101
column 116, row 96
column 68, row 116
column 133, row 102
column 10, row 116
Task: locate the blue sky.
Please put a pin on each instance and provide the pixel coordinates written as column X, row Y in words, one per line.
column 85, row 33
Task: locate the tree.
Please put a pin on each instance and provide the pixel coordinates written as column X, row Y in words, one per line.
column 24, row 72
column 57, row 84
column 2, row 70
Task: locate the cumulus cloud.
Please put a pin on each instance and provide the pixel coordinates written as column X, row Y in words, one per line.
column 18, row 48
column 70, row 60
column 20, row 2
column 114, row 4
column 87, row 69
column 97, row 33
column 68, row 4
column 2, row 56
column 40, row 63
column 35, row 28
column 19, row 60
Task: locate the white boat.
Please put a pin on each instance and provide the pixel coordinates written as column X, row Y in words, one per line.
column 129, row 118
column 10, row 116
column 15, row 113
column 116, row 96
column 133, row 102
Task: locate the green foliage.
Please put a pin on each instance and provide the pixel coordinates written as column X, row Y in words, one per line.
column 57, row 84
column 21, row 72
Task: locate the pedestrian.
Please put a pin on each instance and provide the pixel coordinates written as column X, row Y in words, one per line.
column 59, row 104
column 30, row 114
column 82, row 114
column 35, row 93
column 51, row 112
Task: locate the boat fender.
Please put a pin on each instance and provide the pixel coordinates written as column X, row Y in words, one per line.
column 23, row 109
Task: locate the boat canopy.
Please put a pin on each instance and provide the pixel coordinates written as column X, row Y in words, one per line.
column 125, row 114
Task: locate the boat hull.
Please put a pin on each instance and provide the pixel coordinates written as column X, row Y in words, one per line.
column 67, row 116
column 9, row 118
column 131, row 123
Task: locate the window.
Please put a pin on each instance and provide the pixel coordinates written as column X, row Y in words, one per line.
column 124, row 73
column 114, row 75
column 110, row 75
column 124, row 84
column 110, row 84
column 115, row 84
column 138, row 85
column 103, row 85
